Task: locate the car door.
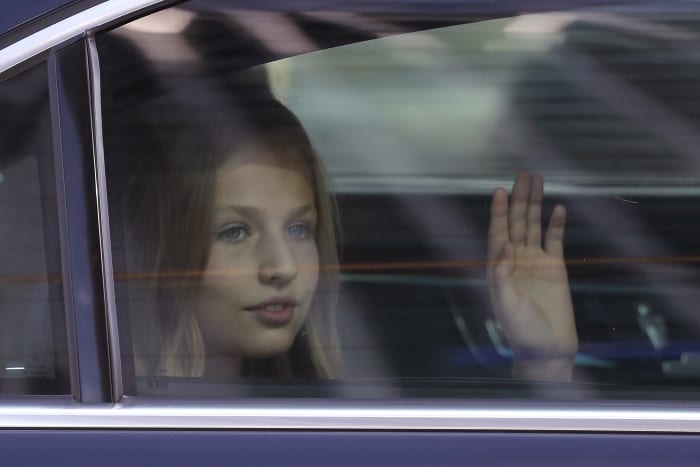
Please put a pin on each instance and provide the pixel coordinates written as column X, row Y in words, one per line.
column 418, row 113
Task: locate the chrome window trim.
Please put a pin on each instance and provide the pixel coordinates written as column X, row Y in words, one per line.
column 115, row 363
column 358, row 415
column 68, row 28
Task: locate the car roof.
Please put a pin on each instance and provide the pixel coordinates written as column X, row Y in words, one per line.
column 20, row 19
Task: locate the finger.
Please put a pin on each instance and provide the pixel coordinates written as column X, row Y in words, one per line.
column 517, row 216
column 504, row 276
column 534, row 212
column 554, row 238
column 498, row 225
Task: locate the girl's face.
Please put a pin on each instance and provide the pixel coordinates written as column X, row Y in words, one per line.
column 262, row 272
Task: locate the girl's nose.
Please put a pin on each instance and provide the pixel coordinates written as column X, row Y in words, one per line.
column 277, row 266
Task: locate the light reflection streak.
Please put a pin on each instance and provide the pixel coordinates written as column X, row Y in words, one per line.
column 275, row 31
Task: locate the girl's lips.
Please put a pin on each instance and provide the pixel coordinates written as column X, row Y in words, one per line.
column 274, row 312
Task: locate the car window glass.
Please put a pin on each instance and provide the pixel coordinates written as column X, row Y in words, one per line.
column 292, row 218
column 32, row 327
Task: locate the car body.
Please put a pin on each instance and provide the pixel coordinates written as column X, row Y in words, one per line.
column 428, row 372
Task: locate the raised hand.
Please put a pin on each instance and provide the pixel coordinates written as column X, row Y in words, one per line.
column 528, row 284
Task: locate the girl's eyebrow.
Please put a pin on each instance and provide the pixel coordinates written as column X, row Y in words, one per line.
column 255, row 212
column 305, row 209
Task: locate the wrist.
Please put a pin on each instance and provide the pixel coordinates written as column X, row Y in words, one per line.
column 558, row 369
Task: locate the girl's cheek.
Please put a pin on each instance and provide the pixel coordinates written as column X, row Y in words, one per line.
column 307, row 254
column 227, row 260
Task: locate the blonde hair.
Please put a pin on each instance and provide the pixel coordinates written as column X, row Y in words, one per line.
column 167, row 205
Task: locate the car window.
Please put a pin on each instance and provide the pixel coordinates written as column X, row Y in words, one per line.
column 294, row 218
column 32, row 327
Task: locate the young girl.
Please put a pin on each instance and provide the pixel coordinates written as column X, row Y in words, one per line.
column 231, row 232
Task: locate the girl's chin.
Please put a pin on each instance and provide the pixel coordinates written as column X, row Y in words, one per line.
column 272, row 349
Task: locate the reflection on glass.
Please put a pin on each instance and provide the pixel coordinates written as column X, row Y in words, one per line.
column 32, row 355
column 225, row 224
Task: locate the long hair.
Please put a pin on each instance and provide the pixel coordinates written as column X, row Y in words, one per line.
column 176, row 143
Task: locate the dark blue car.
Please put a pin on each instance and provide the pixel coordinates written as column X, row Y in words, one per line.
column 408, row 115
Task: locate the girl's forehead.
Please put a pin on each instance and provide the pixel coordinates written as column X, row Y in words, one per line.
column 270, row 184
column 262, row 155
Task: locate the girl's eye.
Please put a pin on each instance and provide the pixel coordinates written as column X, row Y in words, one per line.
column 234, row 233
column 300, row 231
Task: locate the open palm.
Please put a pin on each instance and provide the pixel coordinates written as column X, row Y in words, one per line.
column 528, row 284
